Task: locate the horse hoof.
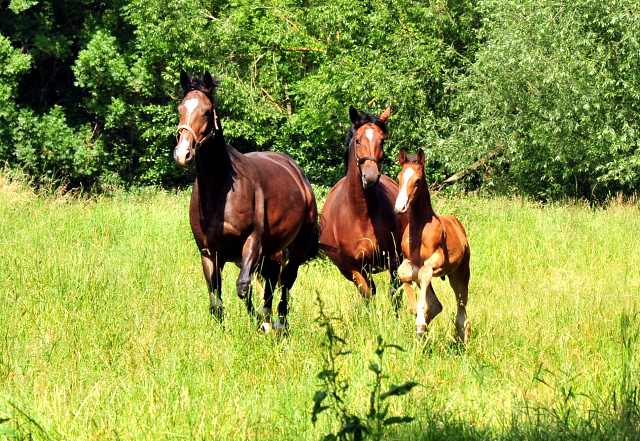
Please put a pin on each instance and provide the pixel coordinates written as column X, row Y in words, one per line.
column 280, row 326
column 242, row 288
column 265, row 327
column 217, row 312
column 420, row 330
column 465, row 332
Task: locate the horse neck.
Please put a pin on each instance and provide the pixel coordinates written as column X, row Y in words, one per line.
column 213, row 163
column 422, row 210
column 353, row 184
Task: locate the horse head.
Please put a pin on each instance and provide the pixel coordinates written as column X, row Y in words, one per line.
column 198, row 119
column 366, row 137
column 409, row 178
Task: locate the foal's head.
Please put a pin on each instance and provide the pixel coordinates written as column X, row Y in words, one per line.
column 409, row 178
column 198, row 121
column 366, row 137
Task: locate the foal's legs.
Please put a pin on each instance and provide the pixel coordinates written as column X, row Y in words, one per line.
column 428, row 304
column 459, row 282
column 213, row 275
column 406, row 276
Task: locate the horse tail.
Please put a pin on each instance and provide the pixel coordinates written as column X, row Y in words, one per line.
column 314, row 246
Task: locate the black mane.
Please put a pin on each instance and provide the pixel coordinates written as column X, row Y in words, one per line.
column 366, row 119
column 198, row 84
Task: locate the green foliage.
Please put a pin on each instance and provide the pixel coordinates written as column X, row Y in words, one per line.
column 332, row 397
column 289, row 73
column 552, row 97
column 529, row 97
column 48, row 147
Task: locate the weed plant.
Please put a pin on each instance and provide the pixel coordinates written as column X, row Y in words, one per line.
column 332, row 397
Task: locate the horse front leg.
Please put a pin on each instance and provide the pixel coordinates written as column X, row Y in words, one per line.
column 251, row 254
column 428, row 305
column 213, row 275
column 407, row 274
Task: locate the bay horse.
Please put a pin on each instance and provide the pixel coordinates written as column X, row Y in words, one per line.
column 245, row 208
column 432, row 246
column 359, row 230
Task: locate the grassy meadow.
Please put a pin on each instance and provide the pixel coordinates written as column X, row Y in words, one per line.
column 105, row 331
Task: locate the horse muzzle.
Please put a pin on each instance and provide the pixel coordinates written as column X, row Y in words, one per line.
column 370, row 177
column 401, row 210
column 402, row 204
column 369, row 183
column 183, row 153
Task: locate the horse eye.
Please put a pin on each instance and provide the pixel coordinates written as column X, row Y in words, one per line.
column 207, row 112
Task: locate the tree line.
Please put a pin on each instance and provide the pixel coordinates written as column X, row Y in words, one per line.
column 531, row 97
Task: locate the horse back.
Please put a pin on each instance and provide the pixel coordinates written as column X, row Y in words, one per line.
column 289, row 201
column 457, row 243
column 267, row 192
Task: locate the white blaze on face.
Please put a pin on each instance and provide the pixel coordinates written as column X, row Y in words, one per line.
column 401, row 201
column 191, row 106
column 369, row 134
column 182, row 150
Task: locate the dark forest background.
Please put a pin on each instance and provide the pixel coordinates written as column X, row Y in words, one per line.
column 536, row 98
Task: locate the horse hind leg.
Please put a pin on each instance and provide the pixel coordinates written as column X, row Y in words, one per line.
column 434, row 307
column 270, row 271
column 303, row 248
column 362, row 282
column 287, row 278
column 459, row 282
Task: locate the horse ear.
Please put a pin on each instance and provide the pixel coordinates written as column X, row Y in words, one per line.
column 185, row 79
column 402, row 156
column 421, row 160
column 207, row 82
column 385, row 115
column 354, row 115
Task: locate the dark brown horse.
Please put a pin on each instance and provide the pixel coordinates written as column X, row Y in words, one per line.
column 359, row 229
column 244, row 208
column 432, row 246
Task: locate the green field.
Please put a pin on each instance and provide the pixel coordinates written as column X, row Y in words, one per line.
column 105, row 331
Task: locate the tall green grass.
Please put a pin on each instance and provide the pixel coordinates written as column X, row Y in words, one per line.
column 105, row 331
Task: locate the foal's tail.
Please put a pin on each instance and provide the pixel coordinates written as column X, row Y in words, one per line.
column 312, row 253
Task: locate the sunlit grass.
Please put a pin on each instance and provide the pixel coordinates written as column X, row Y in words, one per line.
column 105, row 331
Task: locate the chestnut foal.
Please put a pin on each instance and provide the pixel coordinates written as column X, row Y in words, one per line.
column 432, row 246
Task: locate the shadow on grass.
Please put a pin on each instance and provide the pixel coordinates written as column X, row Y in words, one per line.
column 616, row 419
